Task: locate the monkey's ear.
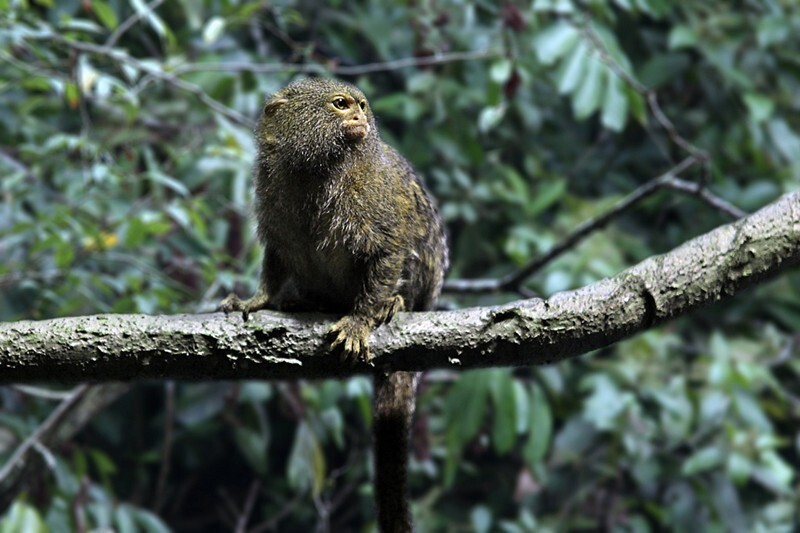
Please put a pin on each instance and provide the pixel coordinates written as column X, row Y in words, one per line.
column 273, row 105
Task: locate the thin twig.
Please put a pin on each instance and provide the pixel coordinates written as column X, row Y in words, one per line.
column 166, row 77
column 17, row 459
column 45, row 394
column 512, row 282
column 702, row 192
column 355, row 70
column 649, row 94
column 166, row 453
column 130, row 22
column 244, row 516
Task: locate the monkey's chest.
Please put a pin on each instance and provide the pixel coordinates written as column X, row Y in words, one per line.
column 323, row 270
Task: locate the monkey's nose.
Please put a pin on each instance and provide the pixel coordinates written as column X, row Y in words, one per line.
column 356, row 128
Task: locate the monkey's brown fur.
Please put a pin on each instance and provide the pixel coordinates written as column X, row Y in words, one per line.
column 347, row 227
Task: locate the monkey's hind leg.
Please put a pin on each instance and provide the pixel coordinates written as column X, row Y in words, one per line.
column 233, row 303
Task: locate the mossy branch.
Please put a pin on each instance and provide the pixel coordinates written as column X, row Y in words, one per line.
column 528, row 332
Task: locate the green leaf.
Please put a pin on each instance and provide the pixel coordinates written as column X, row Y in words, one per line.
column 105, row 14
column 501, row 70
column 760, row 107
column 556, row 41
column 547, row 194
column 682, row 37
column 504, row 425
column 774, row 472
column 587, row 98
column 702, row 460
column 739, row 467
column 213, row 30
column 786, row 140
column 540, row 428
column 773, row 30
column 124, row 520
column 306, row 468
column 465, row 408
column 491, row 117
column 615, row 104
column 149, row 522
column 253, row 446
column 22, row 517
column 573, row 70
column 481, row 518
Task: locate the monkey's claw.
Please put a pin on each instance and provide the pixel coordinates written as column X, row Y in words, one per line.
column 350, row 336
column 393, row 305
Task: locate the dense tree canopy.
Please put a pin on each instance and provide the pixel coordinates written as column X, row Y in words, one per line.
column 565, row 140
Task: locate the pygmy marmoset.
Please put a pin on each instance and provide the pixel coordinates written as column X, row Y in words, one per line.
column 347, row 227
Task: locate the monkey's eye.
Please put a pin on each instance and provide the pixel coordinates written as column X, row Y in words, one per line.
column 340, row 103
column 363, row 105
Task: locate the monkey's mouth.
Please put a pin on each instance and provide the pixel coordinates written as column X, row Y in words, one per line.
column 356, row 132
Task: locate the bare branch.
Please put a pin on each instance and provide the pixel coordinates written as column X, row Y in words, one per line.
column 155, row 72
column 17, row 459
column 288, row 346
column 130, row 22
column 343, row 70
column 514, row 281
column 699, row 190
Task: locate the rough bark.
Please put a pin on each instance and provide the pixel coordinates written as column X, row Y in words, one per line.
column 529, row 332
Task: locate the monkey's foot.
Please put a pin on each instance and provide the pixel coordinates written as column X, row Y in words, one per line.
column 351, row 336
column 233, row 303
column 393, row 305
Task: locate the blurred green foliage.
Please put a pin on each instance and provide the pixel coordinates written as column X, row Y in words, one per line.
column 125, row 156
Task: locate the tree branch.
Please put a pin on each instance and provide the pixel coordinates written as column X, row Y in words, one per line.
column 514, row 281
column 279, row 346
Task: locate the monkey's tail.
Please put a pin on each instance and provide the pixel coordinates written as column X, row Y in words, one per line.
column 394, row 401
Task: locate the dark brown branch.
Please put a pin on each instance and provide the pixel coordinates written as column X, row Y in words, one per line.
column 287, row 346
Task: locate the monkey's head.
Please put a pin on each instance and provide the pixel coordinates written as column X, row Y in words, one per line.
column 315, row 122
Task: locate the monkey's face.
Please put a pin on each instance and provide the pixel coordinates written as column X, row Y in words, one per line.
column 352, row 113
column 315, row 123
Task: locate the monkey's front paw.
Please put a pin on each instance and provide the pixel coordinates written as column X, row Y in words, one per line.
column 233, row 303
column 350, row 335
column 230, row 304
